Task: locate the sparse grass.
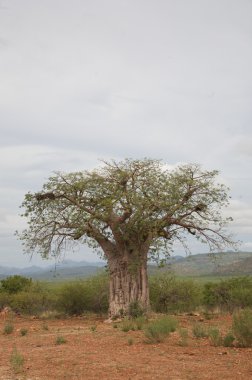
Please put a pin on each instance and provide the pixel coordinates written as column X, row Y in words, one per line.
column 183, row 337
column 45, row 327
column 215, row 337
column 127, row 325
column 199, row 331
column 23, row 331
column 242, row 327
column 130, row 341
column 8, row 328
column 60, row 340
column 158, row 330
column 228, row 340
column 16, row 361
column 93, row 328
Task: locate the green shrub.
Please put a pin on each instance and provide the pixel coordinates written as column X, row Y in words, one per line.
column 60, row 340
column 228, row 294
column 140, row 322
column 158, row 330
column 199, row 331
column 228, row 340
column 242, row 327
column 15, row 284
column 135, row 310
column 23, row 331
column 215, row 337
column 33, row 301
column 89, row 295
column 127, row 325
column 16, row 361
column 169, row 294
column 8, row 328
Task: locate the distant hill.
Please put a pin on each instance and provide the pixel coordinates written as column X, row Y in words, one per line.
column 65, row 270
column 228, row 263
column 221, row 264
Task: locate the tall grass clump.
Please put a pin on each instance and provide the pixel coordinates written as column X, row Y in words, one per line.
column 169, row 294
column 16, row 361
column 8, row 328
column 157, row 331
column 199, row 331
column 242, row 327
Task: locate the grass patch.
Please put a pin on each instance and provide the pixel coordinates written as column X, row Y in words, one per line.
column 199, row 331
column 23, row 331
column 242, row 327
column 215, row 337
column 60, row 340
column 16, row 361
column 157, row 331
column 8, row 328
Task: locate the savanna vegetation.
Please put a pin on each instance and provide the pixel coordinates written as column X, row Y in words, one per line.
column 132, row 211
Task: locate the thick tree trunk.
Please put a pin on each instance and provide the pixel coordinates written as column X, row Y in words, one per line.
column 128, row 284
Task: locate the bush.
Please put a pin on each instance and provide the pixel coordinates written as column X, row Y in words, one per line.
column 242, row 327
column 33, row 301
column 228, row 294
column 215, row 337
column 23, row 331
column 158, row 330
column 15, row 284
column 169, row 294
column 8, row 328
column 16, row 361
column 135, row 310
column 199, row 331
column 60, row 340
column 228, row 340
column 82, row 296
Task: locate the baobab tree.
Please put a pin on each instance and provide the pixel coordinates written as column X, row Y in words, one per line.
column 132, row 210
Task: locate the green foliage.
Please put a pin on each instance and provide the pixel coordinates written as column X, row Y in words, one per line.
column 228, row 294
column 81, row 296
column 215, row 336
column 60, row 340
column 141, row 195
column 8, row 328
column 15, row 284
column 158, row 330
column 127, row 325
column 135, row 310
column 16, row 361
column 228, row 340
column 242, row 327
column 34, row 300
column 199, row 331
column 23, row 331
column 170, row 294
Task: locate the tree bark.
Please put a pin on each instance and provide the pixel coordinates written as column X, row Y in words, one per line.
column 128, row 284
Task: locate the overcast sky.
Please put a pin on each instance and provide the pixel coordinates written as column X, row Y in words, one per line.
column 83, row 80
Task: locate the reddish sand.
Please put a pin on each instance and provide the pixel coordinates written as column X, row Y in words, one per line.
column 109, row 353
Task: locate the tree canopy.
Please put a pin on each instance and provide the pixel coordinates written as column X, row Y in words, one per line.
column 129, row 203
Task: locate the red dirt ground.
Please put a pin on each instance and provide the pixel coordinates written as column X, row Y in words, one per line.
column 107, row 353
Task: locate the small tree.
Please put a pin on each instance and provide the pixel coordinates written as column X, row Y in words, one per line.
column 15, row 284
column 133, row 210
